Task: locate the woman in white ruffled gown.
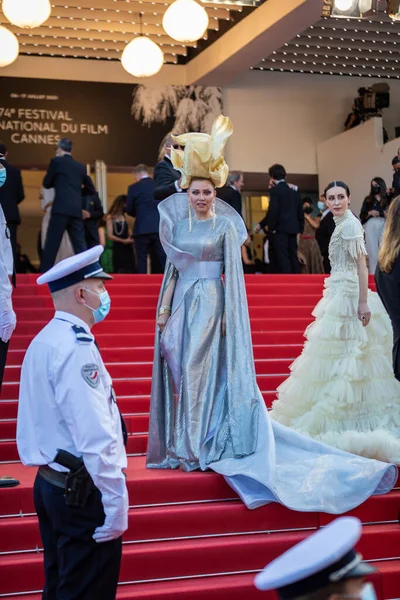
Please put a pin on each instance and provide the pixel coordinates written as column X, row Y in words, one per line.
column 342, row 390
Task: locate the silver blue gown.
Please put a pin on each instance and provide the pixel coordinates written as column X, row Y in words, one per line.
column 206, row 409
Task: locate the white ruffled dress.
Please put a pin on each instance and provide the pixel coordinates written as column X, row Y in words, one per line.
column 342, row 390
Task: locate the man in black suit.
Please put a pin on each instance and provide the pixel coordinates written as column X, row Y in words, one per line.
column 231, row 193
column 68, row 177
column 396, row 176
column 92, row 212
column 166, row 178
column 11, row 194
column 142, row 205
column 324, row 233
column 284, row 220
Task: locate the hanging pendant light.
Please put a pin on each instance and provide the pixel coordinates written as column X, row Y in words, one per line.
column 343, row 4
column 9, row 47
column 142, row 57
column 27, row 13
column 185, row 21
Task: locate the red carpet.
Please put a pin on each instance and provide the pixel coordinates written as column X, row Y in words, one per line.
column 189, row 537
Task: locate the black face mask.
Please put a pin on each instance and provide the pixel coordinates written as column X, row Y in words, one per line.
column 376, row 189
column 308, row 210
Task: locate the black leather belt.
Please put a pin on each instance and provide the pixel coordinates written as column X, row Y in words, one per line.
column 52, row 476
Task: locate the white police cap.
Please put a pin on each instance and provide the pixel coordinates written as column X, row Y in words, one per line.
column 74, row 269
column 327, row 556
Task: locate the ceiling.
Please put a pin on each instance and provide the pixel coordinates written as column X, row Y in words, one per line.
column 100, row 29
column 83, row 40
column 353, row 47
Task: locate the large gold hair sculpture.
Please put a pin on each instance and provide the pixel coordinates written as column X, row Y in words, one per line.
column 203, row 154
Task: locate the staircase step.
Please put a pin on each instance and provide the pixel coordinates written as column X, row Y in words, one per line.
column 130, row 404
column 172, row 522
column 128, row 313
column 140, row 386
column 148, row 325
column 146, row 487
column 132, row 370
column 138, row 423
column 191, row 557
column 121, row 300
column 134, row 340
column 227, row 587
column 146, row 353
column 218, row 518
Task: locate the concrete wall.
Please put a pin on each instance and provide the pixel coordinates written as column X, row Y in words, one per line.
column 283, row 117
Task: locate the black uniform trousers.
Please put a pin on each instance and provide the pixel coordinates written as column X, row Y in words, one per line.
column 57, row 226
column 3, row 357
column 13, row 237
column 149, row 244
column 285, row 249
column 76, row 567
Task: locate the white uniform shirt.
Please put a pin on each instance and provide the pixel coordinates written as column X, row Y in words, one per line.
column 66, row 402
column 6, row 265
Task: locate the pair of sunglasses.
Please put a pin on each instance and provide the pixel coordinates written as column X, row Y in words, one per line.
column 177, row 147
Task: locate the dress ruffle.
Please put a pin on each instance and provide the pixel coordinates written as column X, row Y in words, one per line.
column 341, row 390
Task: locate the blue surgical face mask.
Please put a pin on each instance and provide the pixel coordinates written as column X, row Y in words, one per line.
column 321, row 205
column 3, row 175
column 367, row 593
column 100, row 313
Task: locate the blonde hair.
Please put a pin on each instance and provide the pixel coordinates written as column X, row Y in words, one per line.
column 390, row 247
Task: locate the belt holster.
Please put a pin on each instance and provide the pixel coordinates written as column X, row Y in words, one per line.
column 78, row 486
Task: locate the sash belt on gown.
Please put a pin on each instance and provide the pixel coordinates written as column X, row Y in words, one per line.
column 203, row 269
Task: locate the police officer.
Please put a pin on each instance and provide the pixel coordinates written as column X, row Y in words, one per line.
column 324, row 566
column 7, row 315
column 67, row 403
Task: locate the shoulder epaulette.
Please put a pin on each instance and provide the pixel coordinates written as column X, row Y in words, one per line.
column 82, row 335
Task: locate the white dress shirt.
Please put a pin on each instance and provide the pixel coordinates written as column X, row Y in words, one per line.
column 66, row 402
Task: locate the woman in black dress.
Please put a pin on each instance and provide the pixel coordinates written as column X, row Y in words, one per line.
column 387, row 276
column 118, row 233
column 372, row 216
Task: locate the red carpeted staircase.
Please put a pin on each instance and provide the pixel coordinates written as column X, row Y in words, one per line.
column 189, row 537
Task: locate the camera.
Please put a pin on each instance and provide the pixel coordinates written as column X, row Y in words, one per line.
column 371, row 101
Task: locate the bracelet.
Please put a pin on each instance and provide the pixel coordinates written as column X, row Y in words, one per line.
column 164, row 309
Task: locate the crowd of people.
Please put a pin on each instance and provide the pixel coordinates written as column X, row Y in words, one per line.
column 296, row 232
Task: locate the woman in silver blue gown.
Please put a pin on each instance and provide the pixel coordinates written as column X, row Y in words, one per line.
column 206, row 409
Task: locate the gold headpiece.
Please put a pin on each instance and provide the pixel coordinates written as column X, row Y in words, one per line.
column 202, row 156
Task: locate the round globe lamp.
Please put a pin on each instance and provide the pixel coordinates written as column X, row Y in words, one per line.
column 9, row 47
column 185, row 21
column 142, row 57
column 27, row 14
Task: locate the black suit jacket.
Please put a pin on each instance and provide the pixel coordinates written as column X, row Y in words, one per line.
column 142, row 205
column 92, row 203
column 68, row 177
column 324, row 233
column 231, row 196
column 285, row 213
column 164, row 177
column 11, row 193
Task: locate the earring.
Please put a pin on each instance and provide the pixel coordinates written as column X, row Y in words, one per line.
column 214, row 215
column 190, row 216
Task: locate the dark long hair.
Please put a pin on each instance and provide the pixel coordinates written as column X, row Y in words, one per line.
column 383, row 194
column 118, row 206
column 333, row 184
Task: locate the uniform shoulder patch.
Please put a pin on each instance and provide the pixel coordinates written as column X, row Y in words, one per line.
column 90, row 374
column 82, row 335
